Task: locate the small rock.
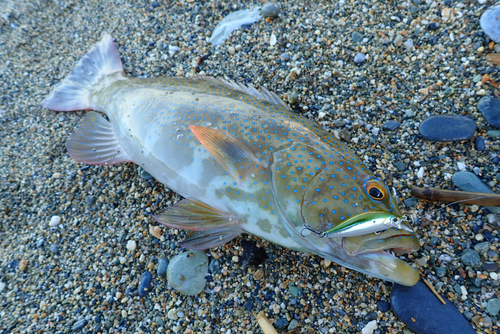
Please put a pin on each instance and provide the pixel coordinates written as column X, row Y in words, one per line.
column 422, row 312
column 54, row 221
column 186, row 272
column 144, row 284
column 172, row 314
column 470, row 258
column 231, row 50
column 398, row 41
column 235, row 259
column 370, row 327
column 489, row 23
column 490, row 266
column 490, row 108
column 479, row 143
column 90, row 200
column 23, row 264
column 409, row 46
column 482, row 247
column 440, row 272
column 56, row 175
column 258, row 275
column 356, row 37
column 493, row 306
column 400, row 166
column 2, row 286
column 383, row 306
column 281, row 324
column 78, row 325
column 131, row 245
column 162, row 267
column 391, row 125
column 410, row 202
column 155, row 231
column 447, row 128
column 293, row 97
column 293, row 324
column 270, row 9
column 54, row 248
column 359, row 58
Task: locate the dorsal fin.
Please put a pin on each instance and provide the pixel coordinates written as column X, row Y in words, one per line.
column 261, row 93
column 233, row 155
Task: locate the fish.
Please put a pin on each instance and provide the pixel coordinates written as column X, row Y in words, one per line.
column 243, row 161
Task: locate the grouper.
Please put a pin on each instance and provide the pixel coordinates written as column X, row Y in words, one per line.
column 243, row 161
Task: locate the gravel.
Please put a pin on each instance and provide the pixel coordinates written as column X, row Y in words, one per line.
column 438, row 69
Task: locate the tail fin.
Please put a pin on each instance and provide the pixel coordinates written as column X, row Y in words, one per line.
column 74, row 92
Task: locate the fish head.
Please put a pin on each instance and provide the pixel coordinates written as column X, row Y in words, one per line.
column 352, row 219
column 321, row 211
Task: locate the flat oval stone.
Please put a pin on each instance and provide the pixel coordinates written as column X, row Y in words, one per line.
column 144, row 284
column 490, row 108
column 186, row 272
column 468, row 181
column 447, row 128
column 490, row 24
column 423, row 313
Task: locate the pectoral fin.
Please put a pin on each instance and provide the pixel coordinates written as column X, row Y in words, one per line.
column 232, row 154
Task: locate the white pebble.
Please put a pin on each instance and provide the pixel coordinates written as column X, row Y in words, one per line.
column 56, row 175
column 172, row 50
column 461, row 165
column 172, row 314
column 236, row 258
column 54, row 221
column 481, row 2
column 420, row 173
column 370, row 327
column 231, row 50
column 272, row 41
column 2, row 286
column 131, row 245
column 463, row 290
column 493, row 275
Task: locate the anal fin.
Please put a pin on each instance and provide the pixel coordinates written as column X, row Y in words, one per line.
column 94, row 142
column 209, row 227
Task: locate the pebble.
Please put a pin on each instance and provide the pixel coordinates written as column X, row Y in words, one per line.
column 270, row 9
column 489, row 23
column 172, row 314
column 370, row 327
column 186, row 272
column 467, row 181
column 155, row 231
column 56, row 175
column 479, row 143
column 493, row 133
column 79, row 325
column 54, row 248
column 470, row 257
column 131, row 245
column 293, row 324
column 493, row 306
column 423, row 313
column 391, row 125
column 55, row 221
column 447, row 128
column 162, row 267
column 490, row 266
column 293, row 97
column 359, row 58
column 231, row 50
column 383, row 306
column 482, row 247
column 144, row 286
column 214, row 266
column 2, row 286
column 23, row 264
column 490, row 109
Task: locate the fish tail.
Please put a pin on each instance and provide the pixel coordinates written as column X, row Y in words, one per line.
column 75, row 91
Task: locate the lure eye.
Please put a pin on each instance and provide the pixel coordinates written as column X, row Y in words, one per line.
column 376, row 190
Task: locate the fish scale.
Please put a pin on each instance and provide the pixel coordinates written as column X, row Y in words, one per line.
column 243, row 161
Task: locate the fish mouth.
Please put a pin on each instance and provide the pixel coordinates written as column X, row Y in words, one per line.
column 379, row 250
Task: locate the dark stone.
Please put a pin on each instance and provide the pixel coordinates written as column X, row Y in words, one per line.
column 440, row 272
column 90, row 200
column 447, row 128
column 490, row 108
column 249, row 305
column 144, row 284
column 252, row 255
column 488, row 236
column 409, row 202
column 479, row 143
column 391, row 125
column 470, row 257
column 400, row 166
column 490, row 266
column 433, row 26
column 423, row 313
column 383, row 306
column 162, row 267
column 282, row 323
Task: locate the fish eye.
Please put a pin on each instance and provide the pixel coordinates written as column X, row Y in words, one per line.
column 376, row 189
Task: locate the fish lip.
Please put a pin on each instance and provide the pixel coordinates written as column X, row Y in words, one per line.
column 373, row 243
